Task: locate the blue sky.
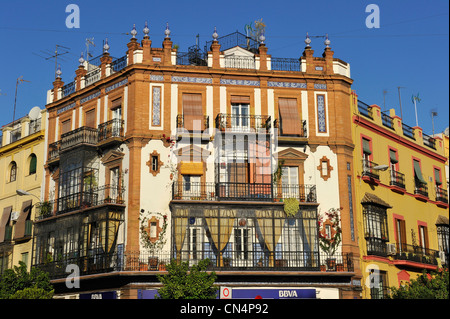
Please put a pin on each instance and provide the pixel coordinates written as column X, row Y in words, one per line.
column 410, row 49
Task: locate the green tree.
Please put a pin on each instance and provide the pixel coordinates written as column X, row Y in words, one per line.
column 184, row 283
column 18, row 283
column 433, row 286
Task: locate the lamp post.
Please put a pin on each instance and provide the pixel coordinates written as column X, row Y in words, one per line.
column 21, row 192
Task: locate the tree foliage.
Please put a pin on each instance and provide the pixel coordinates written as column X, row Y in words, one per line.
column 184, row 283
column 18, row 283
column 432, row 286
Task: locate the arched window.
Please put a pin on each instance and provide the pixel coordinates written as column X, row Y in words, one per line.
column 12, row 172
column 33, row 164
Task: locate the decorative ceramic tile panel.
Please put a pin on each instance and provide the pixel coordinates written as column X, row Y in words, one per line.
column 188, row 79
column 115, row 86
column 286, row 84
column 156, row 118
column 239, row 82
column 90, row 97
column 320, row 86
column 321, row 117
column 157, row 78
column 65, row 108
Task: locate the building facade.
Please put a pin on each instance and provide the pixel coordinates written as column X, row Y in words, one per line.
column 162, row 154
column 401, row 199
column 21, row 175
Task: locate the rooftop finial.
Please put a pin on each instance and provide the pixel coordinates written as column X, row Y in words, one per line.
column 146, row 30
column 327, row 41
column 58, row 72
column 81, row 59
column 133, row 31
column 167, row 31
column 215, row 35
column 307, row 40
column 262, row 38
column 106, row 46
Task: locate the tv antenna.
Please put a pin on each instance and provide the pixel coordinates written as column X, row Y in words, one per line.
column 400, row 101
column 55, row 54
column 19, row 80
column 433, row 114
column 384, row 99
column 89, row 41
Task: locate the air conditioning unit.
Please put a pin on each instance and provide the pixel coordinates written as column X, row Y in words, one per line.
column 391, row 249
column 14, row 216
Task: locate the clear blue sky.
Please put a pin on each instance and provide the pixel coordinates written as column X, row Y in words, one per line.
column 410, row 49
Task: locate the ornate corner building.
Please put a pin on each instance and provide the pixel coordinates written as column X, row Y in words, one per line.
column 215, row 140
column 401, row 199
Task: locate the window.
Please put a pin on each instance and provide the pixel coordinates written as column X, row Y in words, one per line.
column 240, row 116
column 154, row 163
column 13, row 172
column 418, row 173
column 191, row 184
column 66, row 126
column 443, row 241
column 376, row 229
column 33, row 164
column 321, row 114
column 241, row 243
column 289, row 117
column 193, row 112
column 25, row 258
column 89, row 119
column 423, row 238
column 437, row 177
column 378, row 284
column 401, row 234
column 289, row 181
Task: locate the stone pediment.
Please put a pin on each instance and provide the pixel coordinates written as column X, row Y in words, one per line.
column 292, row 154
column 112, row 156
column 237, row 51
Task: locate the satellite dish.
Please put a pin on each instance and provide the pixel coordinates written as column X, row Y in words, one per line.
column 34, row 113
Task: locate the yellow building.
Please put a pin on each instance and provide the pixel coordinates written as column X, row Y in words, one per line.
column 21, row 174
column 401, row 199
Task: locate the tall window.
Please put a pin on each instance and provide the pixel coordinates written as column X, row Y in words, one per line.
column 378, row 285
column 376, row 229
column 193, row 112
column 443, row 240
column 423, row 238
column 13, row 172
column 289, row 181
column 33, row 164
column 289, row 117
column 240, row 116
column 401, row 234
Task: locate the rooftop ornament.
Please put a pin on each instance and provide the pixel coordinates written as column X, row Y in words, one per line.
column 106, row 46
column 81, row 59
column 215, row 35
column 58, row 71
column 167, row 31
column 327, row 41
column 146, row 30
column 262, row 38
column 307, row 41
column 133, row 31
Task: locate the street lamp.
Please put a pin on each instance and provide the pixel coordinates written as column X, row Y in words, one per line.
column 380, row 167
column 21, row 192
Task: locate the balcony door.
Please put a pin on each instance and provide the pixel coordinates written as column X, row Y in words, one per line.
column 289, row 182
column 240, row 120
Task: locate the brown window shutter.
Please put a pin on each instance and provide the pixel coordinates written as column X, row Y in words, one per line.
column 403, row 234
column 289, row 117
column 3, row 221
column 90, row 119
column 116, row 103
column 66, row 126
column 239, row 99
column 192, row 111
column 19, row 231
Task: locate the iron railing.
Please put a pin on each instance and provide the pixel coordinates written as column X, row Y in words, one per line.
column 15, row 134
column 416, row 253
column 387, row 121
column 420, row 188
column 235, row 39
column 441, row 195
column 112, row 128
column 285, row 64
column 242, row 123
column 397, row 179
column 139, row 261
column 204, row 119
column 429, row 141
column 303, row 193
column 408, row 131
column 367, row 169
column 68, row 89
column 303, row 128
column 82, row 135
column 119, row 64
column 365, row 109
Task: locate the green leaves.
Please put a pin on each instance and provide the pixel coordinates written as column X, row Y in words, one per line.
column 425, row 286
column 183, row 282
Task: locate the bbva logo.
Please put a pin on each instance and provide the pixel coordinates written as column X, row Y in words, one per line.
column 287, row 293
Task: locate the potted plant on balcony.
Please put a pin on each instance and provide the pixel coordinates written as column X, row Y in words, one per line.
column 291, row 206
column 154, row 242
column 45, row 209
column 330, row 235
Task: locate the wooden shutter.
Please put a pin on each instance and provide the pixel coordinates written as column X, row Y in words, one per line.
column 289, row 117
column 66, row 126
column 366, row 146
column 90, row 119
column 238, row 99
column 393, row 157
column 418, row 172
column 20, row 224
column 3, row 221
column 192, row 111
column 437, row 176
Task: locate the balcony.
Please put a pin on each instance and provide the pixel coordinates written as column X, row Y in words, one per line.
column 408, row 253
column 387, row 121
column 286, row 64
column 193, row 126
column 420, row 190
column 97, row 196
column 110, row 132
column 365, row 110
column 369, row 174
column 81, row 136
column 224, row 191
column 303, row 129
column 408, row 131
column 397, row 181
column 429, row 141
column 441, row 195
column 242, row 123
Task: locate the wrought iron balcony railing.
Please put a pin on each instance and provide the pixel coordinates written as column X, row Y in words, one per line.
column 429, row 141
column 408, row 131
column 368, row 169
column 68, row 89
column 286, row 64
column 303, row 193
column 119, row 64
column 204, row 123
column 420, row 188
column 387, row 121
column 416, row 253
column 303, row 128
column 139, row 261
column 82, row 135
column 365, row 109
column 242, row 123
column 397, row 179
column 441, row 195
column 112, row 128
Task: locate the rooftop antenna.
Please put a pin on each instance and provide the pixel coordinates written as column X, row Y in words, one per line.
column 57, row 54
column 19, row 80
column 384, row 99
column 433, row 114
column 89, row 41
column 400, row 101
